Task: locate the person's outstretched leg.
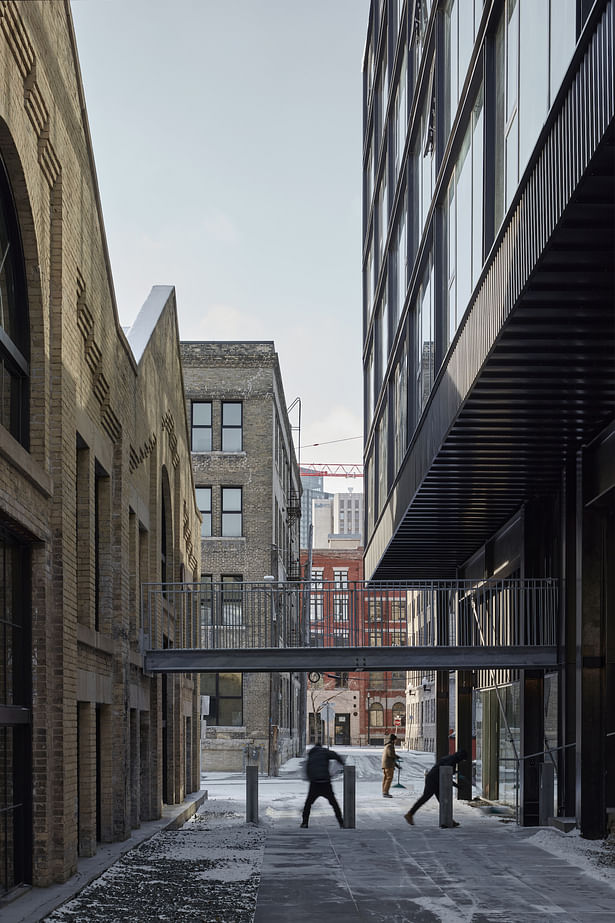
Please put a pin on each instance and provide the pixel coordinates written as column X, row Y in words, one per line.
column 330, row 796
column 427, row 794
column 309, row 801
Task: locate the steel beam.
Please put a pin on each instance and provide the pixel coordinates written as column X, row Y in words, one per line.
column 299, row 660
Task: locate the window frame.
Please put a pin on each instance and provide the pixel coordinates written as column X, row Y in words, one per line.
column 228, row 429
column 201, row 427
column 205, row 532
column 228, row 512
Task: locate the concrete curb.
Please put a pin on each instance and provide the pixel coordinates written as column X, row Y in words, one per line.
column 30, row 905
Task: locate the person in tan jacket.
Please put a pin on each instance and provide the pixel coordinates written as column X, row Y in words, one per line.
column 389, row 761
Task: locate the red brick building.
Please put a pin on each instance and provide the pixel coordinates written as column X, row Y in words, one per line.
column 353, row 708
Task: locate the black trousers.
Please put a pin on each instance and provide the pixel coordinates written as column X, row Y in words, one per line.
column 428, row 792
column 322, row 789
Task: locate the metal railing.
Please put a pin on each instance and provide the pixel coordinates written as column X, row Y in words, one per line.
column 300, row 614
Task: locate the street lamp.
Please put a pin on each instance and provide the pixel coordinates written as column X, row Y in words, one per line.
column 368, row 717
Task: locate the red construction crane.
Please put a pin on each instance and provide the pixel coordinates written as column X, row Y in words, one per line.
column 326, row 470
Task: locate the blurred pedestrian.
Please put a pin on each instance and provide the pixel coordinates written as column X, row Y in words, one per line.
column 317, row 770
column 432, row 782
column 390, row 761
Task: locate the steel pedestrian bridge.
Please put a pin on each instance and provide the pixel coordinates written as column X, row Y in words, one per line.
column 300, row 626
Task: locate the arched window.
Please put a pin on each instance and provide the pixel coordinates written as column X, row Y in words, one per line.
column 14, row 321
column 399, row 711
column 376, row 715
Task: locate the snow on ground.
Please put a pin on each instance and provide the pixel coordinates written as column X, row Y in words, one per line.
column 209, row 870
column 594, row 857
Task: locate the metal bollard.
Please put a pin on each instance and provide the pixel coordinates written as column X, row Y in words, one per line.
column 545, row 792
column 251, row 794
column 350, row 784
column 446, row 796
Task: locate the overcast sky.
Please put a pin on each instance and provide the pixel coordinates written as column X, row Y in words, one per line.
column 227, row 141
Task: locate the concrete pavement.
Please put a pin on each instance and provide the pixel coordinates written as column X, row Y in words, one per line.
column 484, row 871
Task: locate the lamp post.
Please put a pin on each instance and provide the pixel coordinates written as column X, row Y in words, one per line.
column 368, row 717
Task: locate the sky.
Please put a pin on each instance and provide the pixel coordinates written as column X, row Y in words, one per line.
column 227, row 143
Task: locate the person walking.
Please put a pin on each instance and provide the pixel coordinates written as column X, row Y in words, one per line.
column 390, row 761
column 432, row 782
column 320, row 781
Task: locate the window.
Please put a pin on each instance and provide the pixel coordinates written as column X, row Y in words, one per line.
column 203, row 499
column 225, row 691
column 232, row 525
column 206, row 603
column 398, row 679
column 400, row 413
column 376, row 715
column 14, row 323
column 232, row 600
column 424, row 320
column 340, row 598
column 383, row 481
column 201, row 426
column 316, row 596
column 464, row 220
column 399, row 711
column 232, row 426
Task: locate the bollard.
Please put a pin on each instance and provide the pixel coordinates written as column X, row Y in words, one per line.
column 350, row 776
column 252, row 794
column 446, row 796
column 545, row 793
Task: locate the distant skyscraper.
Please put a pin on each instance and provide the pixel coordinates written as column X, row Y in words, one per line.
column 338, row 519
column 313, row 489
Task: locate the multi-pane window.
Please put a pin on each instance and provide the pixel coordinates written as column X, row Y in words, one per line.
column 464, row 220
column 206, row 602
column 401, row 267
column 376, row 715
column 534, row 43
column 382, row 435
column 225, row 698
column 232, row 599
column 400, row 402
column 14, row 324
column 232, row 426
column 203, row 499
column 232, row 513
column 425, row 339
column 340, row 598
column 201, row 426
column 316, row 596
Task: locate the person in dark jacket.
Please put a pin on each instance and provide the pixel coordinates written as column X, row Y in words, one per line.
column 432, row 782
column 320, row 781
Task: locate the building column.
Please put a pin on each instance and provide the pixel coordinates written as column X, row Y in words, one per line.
column 490, row 745
column 531, row 710
column 86, row 717
column 442, row 713
column 135, row 769
column 590, row 711
column 104, row 761
column 463, row 731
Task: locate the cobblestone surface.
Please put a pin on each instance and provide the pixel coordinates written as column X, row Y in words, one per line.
column 206, row 872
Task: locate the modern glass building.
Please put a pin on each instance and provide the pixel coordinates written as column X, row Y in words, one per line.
column 489, row 348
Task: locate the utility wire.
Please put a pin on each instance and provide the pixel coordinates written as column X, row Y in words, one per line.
column 312, row 444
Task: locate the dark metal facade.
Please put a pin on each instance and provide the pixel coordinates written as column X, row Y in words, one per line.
column 531, row 374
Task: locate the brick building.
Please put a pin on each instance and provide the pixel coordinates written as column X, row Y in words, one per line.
column 248, row 490
column 96, row 490
column 348, row 708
